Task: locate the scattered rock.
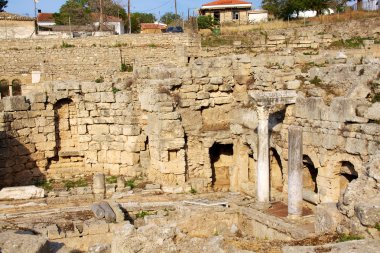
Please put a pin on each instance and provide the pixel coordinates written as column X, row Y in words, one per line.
column 22, row 241
column 22, row 192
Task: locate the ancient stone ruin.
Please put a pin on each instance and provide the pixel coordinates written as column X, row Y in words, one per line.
column 155, row 143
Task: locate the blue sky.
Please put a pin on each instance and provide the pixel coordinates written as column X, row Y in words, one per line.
column 157, row 7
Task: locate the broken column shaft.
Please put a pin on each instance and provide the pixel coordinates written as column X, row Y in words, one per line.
column 295, row 166
column 263, row 156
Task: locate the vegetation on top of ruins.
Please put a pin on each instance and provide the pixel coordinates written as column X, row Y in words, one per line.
column 68, row 184
column 356, row 42
column 349, row 237
column 99, row 80
column 66, row 45
column 131, row 183
column 47, row 185
column 316, row 81
column 111, row 179
column 193, row 191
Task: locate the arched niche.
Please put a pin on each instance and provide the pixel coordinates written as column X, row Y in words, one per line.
column 310, row 174
column 276, row 171
column 4, row 88
column 16, row 87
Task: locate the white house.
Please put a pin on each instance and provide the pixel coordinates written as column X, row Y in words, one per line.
column 257, row 16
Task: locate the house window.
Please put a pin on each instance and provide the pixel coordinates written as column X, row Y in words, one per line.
column 235, row 15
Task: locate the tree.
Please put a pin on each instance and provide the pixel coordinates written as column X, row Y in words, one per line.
column 285, row 8
column 75, row 11
column 169, row 18
column 80, row 11
column 273, row 7
column 3, row 5
column 137, row 18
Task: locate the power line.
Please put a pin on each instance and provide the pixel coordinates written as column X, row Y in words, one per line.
column 158, row 7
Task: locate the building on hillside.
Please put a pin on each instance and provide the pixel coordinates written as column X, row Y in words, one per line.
column 46, row 22
column 153, row 28
column 227, row 10
column 257, row 16
column 13, row 26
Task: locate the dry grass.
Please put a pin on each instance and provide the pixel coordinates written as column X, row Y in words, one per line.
column 235, row 29
column 346, row 16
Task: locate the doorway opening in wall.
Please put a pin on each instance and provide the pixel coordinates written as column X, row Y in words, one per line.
column 310, row 174
column 217, row 16
column 346, row 175
column 221, row 158
column 276, row 173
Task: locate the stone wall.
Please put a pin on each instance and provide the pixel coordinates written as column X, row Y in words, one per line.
column 13, row 29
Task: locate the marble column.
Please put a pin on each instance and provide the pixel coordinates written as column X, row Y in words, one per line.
column 263, row 186
column 295, row 166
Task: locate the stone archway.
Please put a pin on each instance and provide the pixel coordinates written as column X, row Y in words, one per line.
column 347, row 174
column 310, row 174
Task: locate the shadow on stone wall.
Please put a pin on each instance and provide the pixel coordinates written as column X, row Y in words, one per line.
column 17, row 166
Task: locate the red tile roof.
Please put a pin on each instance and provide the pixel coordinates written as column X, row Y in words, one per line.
column 45, row 17
column 226, row 2
column 152, row 26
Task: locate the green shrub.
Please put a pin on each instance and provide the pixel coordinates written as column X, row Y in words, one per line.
column 193, row 191
column 376, row 98
column 115, row 90
column 152, row 45
column 75, row 183
column 66, row 45
column 142, row 214
column 99, row 80
column 123, row 67
column 345, row 238
column 111, row 179
column 206, row 22
column 45, row 184
column 316, row 81
column 130, row 183
column 377, row 226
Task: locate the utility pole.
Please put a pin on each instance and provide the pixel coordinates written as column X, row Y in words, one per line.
column 101, row 15
column 35, row 15
column 129, row 17
column 175, row 7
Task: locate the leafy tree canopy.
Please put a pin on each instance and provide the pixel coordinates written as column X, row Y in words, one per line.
column 3, row 5
column 80, row 11
column 285, row 8
column 170, row 18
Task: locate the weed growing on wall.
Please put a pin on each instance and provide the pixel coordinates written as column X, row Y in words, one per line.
column 66, row 45
column 99, row 80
